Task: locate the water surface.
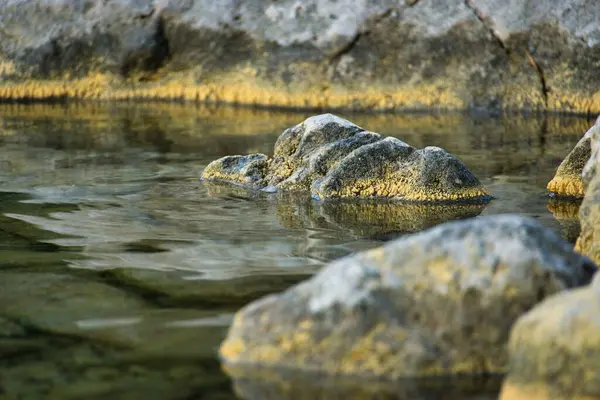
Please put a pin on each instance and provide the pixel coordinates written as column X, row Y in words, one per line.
column 120, row 271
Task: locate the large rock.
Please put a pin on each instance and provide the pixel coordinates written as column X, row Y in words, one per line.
column 435, row 303
column 589, row 212
column 555, row 348
column 383, row 54
column 567, row 181
column 334, row 158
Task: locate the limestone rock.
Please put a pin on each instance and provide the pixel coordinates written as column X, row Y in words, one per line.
column 554, row 349
column 334, row 158
column 434, row 303
column 568, row 181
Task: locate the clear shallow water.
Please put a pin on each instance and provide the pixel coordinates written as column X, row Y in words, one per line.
column 120, row 271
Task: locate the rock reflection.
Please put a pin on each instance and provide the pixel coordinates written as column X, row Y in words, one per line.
column 567, row 215
column 370, row 219
column 268, row 384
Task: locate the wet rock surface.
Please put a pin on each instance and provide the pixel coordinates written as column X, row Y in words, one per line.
column 453, row 54
column 554, row 349
column 568, row 181
column 435, row 303
column 334, row 158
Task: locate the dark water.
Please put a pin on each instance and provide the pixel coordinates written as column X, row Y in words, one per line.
column 120, row 271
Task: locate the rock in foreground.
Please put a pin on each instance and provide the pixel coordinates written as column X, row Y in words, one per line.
column 567, row 181
column 334, row 158
column 435, row 303
column 555, row 348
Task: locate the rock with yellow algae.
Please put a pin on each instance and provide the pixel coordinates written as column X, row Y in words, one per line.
column 554, row 349
column 567, row 181
column 334, row 158
column 434, row 303
column 246, row 170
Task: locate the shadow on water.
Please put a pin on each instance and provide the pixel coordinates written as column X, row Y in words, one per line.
column 120, row 272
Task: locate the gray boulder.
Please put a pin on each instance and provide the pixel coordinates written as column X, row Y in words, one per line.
column 334, row 158
column 440, row 302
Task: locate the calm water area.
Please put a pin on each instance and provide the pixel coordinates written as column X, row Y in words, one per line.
column 120, row 271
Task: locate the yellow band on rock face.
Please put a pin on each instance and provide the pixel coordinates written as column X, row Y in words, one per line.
column 571, row 185
column 245, row 85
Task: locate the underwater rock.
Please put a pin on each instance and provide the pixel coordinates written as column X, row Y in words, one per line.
column 440, row 302
column 334, row 158
column 554, row 349
column 567, row 181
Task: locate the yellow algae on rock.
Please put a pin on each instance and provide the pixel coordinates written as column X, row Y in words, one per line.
column 567, row 181
column 334, row 158
column 439, row 302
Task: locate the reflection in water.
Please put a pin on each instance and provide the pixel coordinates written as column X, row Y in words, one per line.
column 567, row 214
column 120, row 270
column 269, row 384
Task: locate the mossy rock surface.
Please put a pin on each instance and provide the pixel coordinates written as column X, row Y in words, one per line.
column 334, row 158
column 440, row 302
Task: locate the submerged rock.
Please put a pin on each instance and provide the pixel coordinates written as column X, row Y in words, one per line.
column 334, row 158
column 434, row 303
column 554, row 349
column 567, row 181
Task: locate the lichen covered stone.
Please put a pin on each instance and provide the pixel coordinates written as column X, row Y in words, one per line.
column 246, row 170
column 567, row 181
column 334, row 158
column 555, row 349
column 434, row 303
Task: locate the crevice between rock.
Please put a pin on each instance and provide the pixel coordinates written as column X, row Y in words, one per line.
column 487, row 23
column 542, row 77
column 347, row 48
